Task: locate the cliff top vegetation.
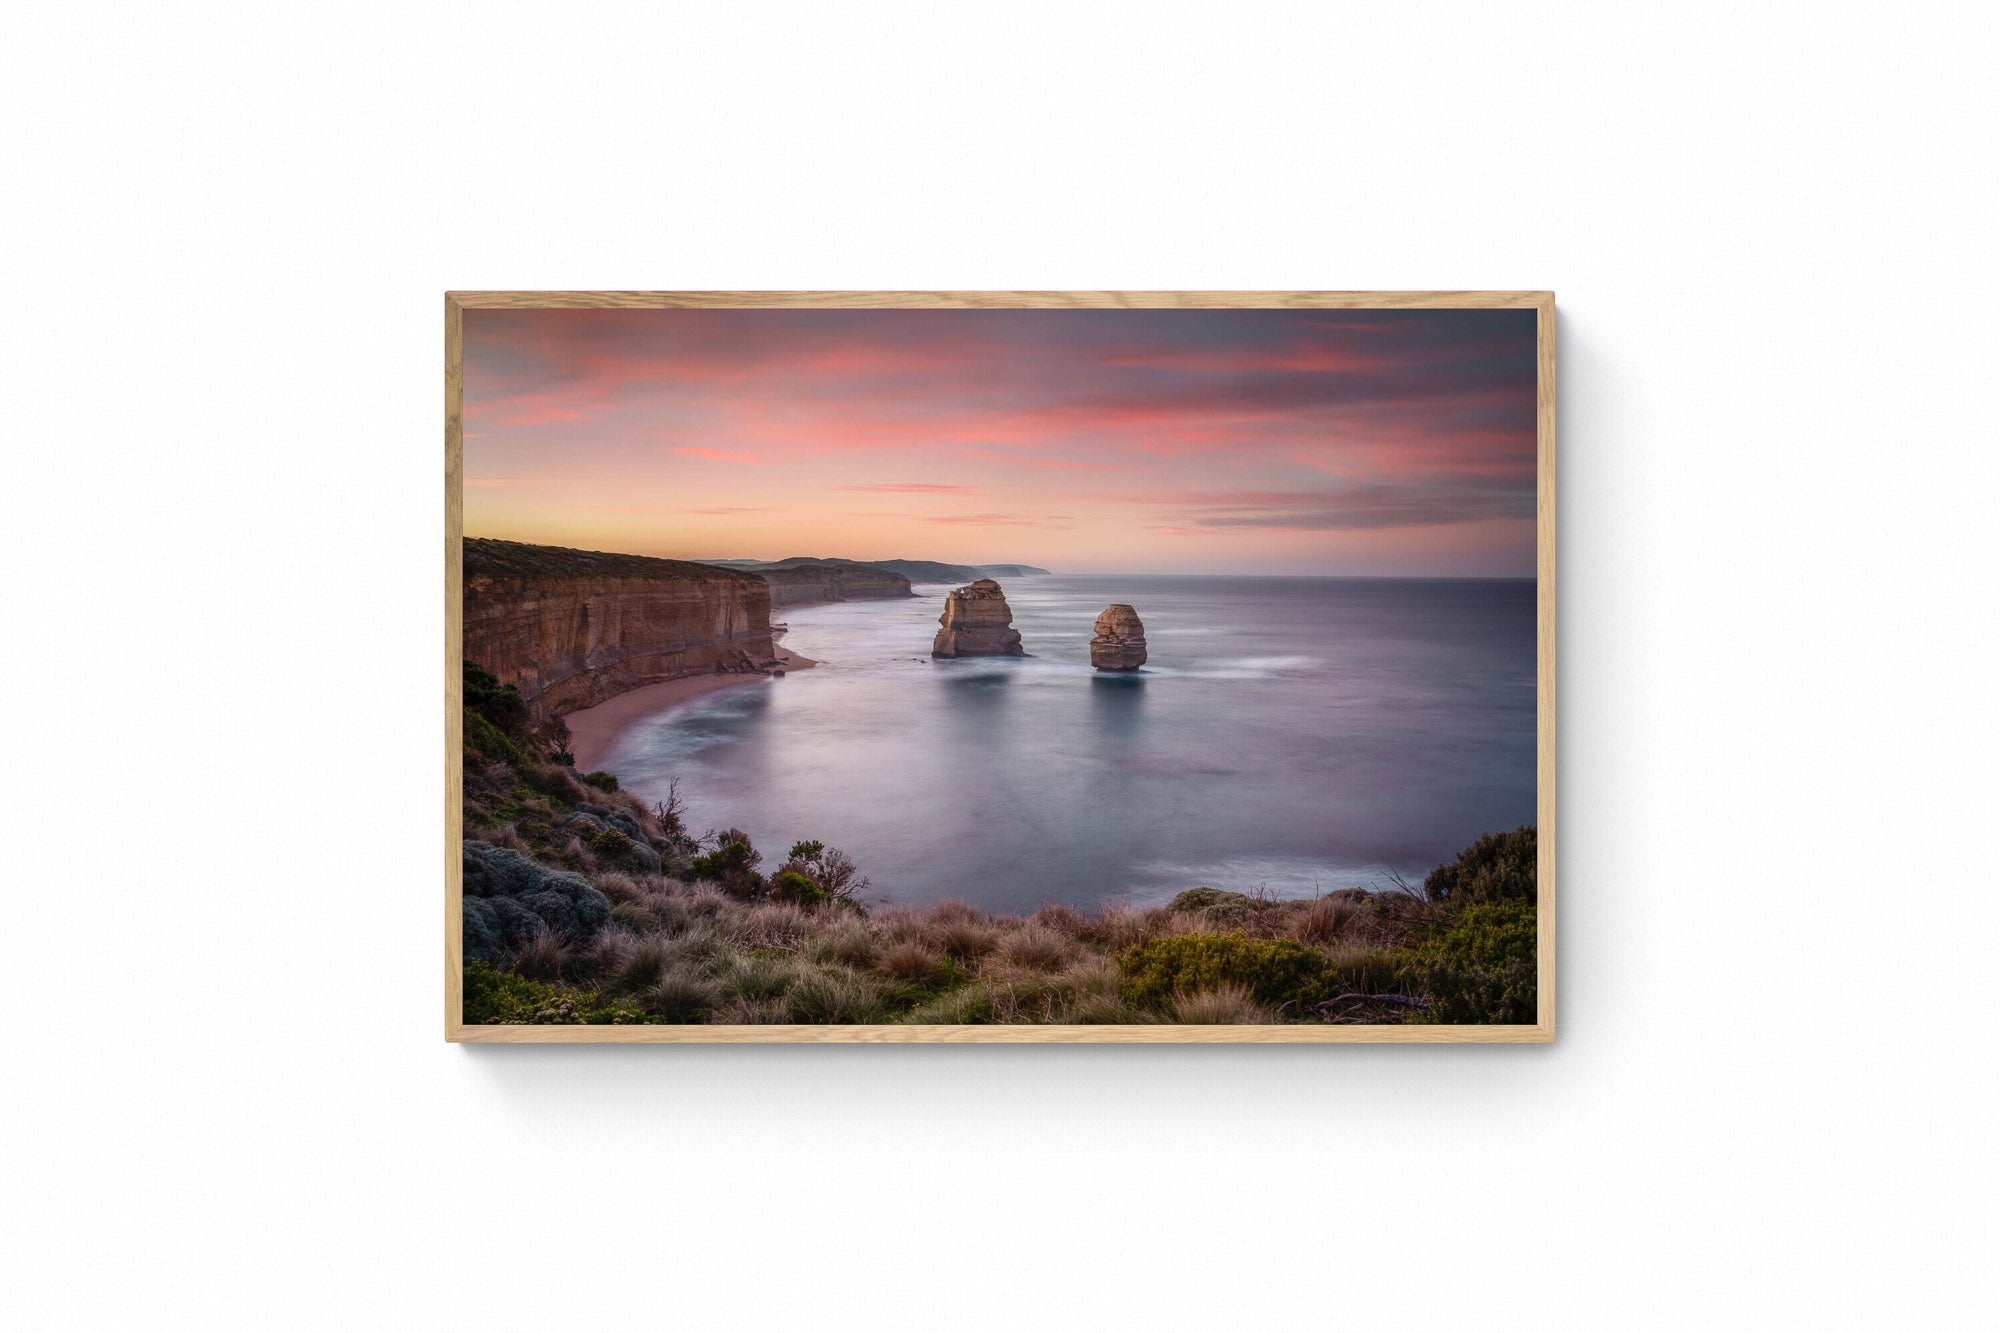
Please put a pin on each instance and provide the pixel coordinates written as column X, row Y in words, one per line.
column 492, row 557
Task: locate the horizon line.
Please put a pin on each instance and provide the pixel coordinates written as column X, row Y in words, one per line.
column 1053, row 573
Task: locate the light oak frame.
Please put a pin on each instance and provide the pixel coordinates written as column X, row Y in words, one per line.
column 1543, row 303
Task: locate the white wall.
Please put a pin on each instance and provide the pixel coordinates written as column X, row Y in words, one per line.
column 1771, row 232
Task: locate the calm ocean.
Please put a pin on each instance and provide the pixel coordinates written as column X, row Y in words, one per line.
column 1287, row 734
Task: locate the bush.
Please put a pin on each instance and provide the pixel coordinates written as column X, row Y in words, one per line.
column 493, row 996
column 1479, row 967
column 1500, row 867
column 733, row 865
column 501, row 706
column 487, row 740
column 789, row 886
column 601, row 780
column 1274, row 971
column 828, row 875
column 514, row 887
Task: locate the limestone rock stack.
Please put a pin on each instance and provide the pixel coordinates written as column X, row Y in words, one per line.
column 977, row 622
column 1119, row 643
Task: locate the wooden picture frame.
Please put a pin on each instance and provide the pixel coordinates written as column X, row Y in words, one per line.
column 1542, row 302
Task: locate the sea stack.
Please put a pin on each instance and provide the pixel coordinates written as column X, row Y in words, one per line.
column 977, row 623
column 1120, row 641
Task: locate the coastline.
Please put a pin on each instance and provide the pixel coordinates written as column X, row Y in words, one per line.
column 592, row 730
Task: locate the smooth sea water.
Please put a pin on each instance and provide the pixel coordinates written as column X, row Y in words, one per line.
column 1293, row 735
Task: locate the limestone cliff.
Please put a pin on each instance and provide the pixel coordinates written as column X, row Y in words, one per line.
column 804, row 580
column 572, row 628
column 977, row 622
column 1118, row 642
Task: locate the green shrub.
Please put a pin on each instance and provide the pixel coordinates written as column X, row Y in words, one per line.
column 500, row 705
column 613, row 847
column 733, row 865
column 601, row 780
column 493, row 996
column 1478, row 967
column 487, row 740
column 1157, row 972
column 831, row 872
column 790, row 886
column 1500, row 867
column 1221, row 906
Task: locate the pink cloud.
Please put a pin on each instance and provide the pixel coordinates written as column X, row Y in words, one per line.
column 718, row 455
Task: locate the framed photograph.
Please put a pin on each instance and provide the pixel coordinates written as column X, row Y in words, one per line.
column 1000, row 666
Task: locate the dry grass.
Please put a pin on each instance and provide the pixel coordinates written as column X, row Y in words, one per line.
column 684, row 995
column 544, row 957
column 501, row 835
column 912, row 960
column 756, row 977
column 967, row 1004
column 691, row 953
column 835, row 995
column 896, row 924
column 703, row 899
column 1223, row 1004
column 953, row 910
column 848, row 942
column 1103, row 1009
column 620, row 887
column 774, row 925
column 1037, row 946
column 1062, row 919
column 1324, row 920
column 966, row 941
column 1120, row 928
column 627, row 964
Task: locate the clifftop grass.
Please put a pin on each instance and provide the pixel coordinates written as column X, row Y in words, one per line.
column 698, row 933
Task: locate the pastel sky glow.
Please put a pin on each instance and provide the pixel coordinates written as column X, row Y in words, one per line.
column 1087, row 441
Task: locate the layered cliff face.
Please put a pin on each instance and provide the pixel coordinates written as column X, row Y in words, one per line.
column 1118, row 642
column 977, row 622
column 572, row 628
column 803, row 581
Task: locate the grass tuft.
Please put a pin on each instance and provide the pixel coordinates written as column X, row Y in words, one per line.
column 1227, row 1003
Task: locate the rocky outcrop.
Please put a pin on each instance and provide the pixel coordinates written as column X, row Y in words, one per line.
column 977, row 622
column 1119, row 643
column 802, row 581
column 572, row 628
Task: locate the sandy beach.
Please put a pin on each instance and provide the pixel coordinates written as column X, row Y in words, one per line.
column 593, row 729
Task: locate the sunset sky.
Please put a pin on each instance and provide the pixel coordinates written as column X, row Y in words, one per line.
column 1087, row 441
